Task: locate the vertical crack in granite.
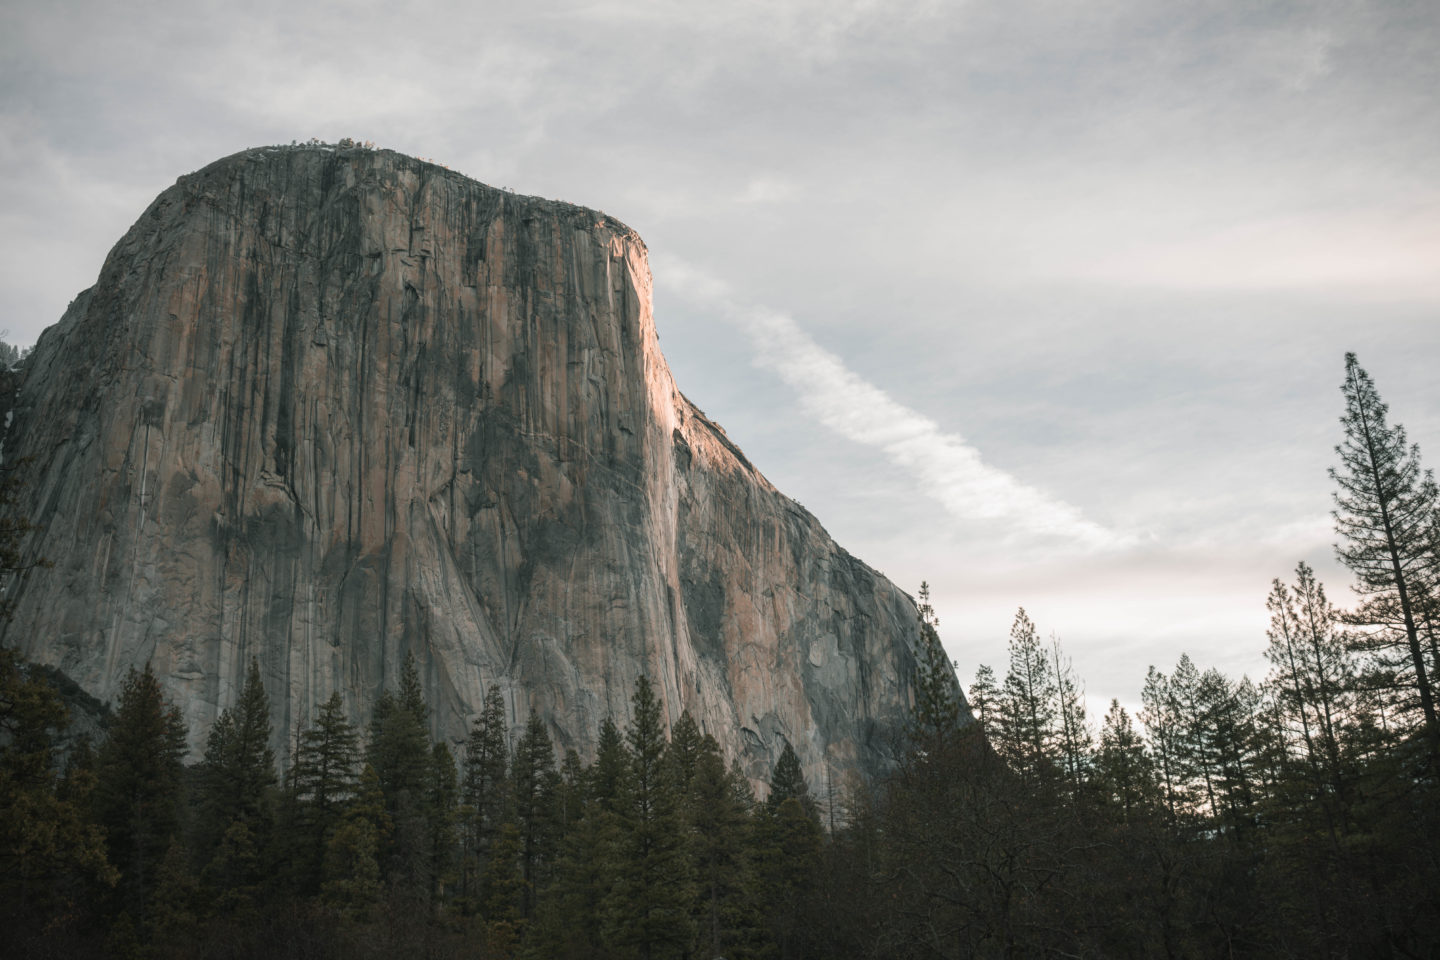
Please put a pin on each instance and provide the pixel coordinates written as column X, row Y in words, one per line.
column 325, row 407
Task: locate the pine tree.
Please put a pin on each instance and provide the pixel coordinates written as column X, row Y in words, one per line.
column 178, row 903
column 1195, row 758
column 484, row 790
column 1161, row 716
column 984, row 696
column 573, row 919
column 400, row 754
column 1123, row 768
column 532, row 774
column 441, row 798
column 1028, row 704
column 1073, row 729
column 1312, row 676
column 787, row 782
column 725, row 914
column 351, row 873
column 237, row 774
column 937, row 694
column 505, row 890
column 235, row 871
column 1225, row 735
column 323, row 783
column 138, row 788
column 650, row 910
column 1385, row 516
column 684, row 750
column 787, row 840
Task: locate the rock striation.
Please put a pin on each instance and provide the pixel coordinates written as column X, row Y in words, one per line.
column 326, row 407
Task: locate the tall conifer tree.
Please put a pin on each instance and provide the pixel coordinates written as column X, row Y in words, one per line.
column 650, row 912
column 1028, row 703
column 400, row 754
column 138, row 790
column 238, row 771
column 323, row 783
column 535, row 784
column 1385, row 516
column 484, row 791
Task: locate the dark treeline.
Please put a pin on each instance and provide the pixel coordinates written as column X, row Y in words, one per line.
column 1297, row 817
column 378, row 843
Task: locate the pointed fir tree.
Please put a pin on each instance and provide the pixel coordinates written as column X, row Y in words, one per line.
column 1194, row 754
column 610, row 776
column 179, row 901
column 1160, row 715
column 1312, row 677
column 1123, row 769
column 484, row 791
column 351, row 876
column 649, row 912
column 400, row 754
column 572, row 920
column 1028, row 704
column 137, row 796
column 1073, row 729
column 322, row 783
column 786, row 844
column 236, row 777
column 505, row 891
column 726, row 916
column 684, row 751
column 984, row 695
column 533, row 777
column 1217, row 744
column 1385, row 516
column 441, row 802
column 937, row 693
column 787, row 782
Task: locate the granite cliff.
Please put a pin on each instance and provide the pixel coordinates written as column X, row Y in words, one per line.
column 328, row 406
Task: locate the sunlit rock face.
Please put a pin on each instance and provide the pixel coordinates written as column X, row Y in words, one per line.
column 324, row 407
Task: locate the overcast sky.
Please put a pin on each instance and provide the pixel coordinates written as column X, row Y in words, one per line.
column 1044, row 302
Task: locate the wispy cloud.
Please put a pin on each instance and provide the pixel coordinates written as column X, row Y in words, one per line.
column 942, row 463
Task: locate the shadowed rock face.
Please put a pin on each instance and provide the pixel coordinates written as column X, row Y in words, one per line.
column 327, row 406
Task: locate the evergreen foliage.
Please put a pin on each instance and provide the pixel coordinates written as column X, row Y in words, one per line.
column 1385, row 514
column 1123, row 769
column 322, row 784
column 536, row 786
column 234, row 792
column 399, row 753
column 137, row 796
column 787, row 781
column 484, row 792
column 50, row 849
column 937, row 694
column 984, row 697
column 1027, row 705
column 648, row 913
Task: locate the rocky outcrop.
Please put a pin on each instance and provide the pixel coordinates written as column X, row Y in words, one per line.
column 325, row 407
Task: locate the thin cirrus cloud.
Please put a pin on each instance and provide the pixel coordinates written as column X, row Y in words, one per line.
column 943, row 464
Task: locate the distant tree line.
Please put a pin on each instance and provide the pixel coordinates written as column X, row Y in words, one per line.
column 378, row 843
column 1294, row 817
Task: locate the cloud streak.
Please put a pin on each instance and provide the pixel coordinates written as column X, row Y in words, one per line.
column 942, row 463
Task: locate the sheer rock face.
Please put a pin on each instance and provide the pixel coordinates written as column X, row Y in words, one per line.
column 325, row 407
